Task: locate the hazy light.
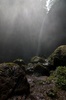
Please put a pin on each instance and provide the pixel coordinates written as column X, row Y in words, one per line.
column 30, row 27
column 47, row 6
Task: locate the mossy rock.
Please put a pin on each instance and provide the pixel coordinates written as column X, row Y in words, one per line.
column 12, row 81
column 58, row 57
column 30, row 69
column 41, row 70
column 37, row 69
column 19, row 62
column 37, row 59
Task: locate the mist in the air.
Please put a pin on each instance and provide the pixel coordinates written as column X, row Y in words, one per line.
column 31, row 27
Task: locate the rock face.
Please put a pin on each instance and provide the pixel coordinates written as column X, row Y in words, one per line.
column 12, row 81
column 58, row 57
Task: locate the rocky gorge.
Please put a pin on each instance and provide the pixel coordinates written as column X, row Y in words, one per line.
column 40, row 79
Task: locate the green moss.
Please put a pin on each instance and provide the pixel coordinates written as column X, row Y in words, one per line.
column 37, row 59
column 58, row 57
column 59, row 77
column 50, row 78
column 60, row 74
column 10, row 64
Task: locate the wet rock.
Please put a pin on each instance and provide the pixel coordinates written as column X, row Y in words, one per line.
column 41, row 70
column 19, row 62
column 13, row 81
column 38, row 66
column 37, row 59
column 30, row 69
column 58, row 57
column 37, row 69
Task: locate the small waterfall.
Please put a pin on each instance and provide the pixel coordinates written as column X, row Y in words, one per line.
column 49, row 4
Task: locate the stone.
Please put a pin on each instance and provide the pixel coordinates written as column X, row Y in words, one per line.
column 13, row 81
column 58, row 57
column 19, row 62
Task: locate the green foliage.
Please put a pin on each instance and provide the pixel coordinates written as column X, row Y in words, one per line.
column 61, row 71
column 60, row 75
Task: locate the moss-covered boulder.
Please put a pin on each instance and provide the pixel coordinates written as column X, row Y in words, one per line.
column 12, row 81
column 58, row 57
column 37, row 69
column 37, row 59
column 38, row 66
column 19, row 62
column 41, row 70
